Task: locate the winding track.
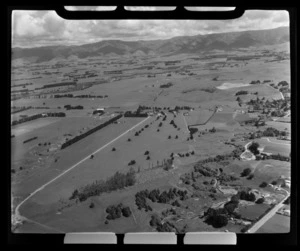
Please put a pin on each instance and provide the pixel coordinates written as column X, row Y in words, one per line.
column 17, row 217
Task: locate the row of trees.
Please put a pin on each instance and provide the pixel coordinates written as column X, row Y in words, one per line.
column 20, row 109
column 117, row 181
column 81, row 136
column 28, row 140
column 135, row 114
column 241, row 93
column 59, row 84
column 37, row 116
column 167, row 85
column 77, row 107
column 70, row 95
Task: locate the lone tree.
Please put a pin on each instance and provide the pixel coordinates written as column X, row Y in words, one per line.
column 132, row 162
column 263, row 184
column 146, row 153
column 114, row 149
column 246, row 172
column 169, row 137
column 128, row 139
column 254, row 148
column 126, row 211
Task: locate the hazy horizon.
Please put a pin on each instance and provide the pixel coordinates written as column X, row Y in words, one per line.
column 45, row 28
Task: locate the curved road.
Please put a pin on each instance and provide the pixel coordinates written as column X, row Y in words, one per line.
column 18, row 218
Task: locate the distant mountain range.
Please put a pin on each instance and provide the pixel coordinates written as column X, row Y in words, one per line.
column 176, row 45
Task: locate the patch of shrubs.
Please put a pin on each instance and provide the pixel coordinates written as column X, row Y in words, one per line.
column 241, row 93
column 260, row 200
column 115, row 212
column 159, row 197
column 216, row 217
column 246, row 172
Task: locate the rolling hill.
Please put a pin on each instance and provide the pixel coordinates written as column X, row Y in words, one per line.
column 176, row 45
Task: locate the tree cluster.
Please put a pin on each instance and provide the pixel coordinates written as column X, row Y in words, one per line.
column 160, row 197
column 23, row 120
column 77, row 107
column 117, row 181
column 246, row 172
column 254, row 148
column 166, row 85
column 241, row 93
column 115, row 212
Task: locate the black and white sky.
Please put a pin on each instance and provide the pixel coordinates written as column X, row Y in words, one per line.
column 44, row 28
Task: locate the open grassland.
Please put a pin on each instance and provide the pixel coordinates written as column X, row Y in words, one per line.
column 194, row 86
column 277, row 224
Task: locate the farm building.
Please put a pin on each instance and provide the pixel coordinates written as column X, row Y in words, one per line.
column 99, row 111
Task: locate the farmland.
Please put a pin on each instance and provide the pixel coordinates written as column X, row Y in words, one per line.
column 187, row 133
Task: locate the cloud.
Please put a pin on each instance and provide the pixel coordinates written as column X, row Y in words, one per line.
column 53, row 24
column 281, row 17
column 36, row 28
column 258, row 14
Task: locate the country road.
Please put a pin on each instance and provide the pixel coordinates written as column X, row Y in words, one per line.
column 17, row 217
column 268, row 216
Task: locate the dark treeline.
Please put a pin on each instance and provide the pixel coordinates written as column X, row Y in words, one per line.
column 23, row 120
column 135, row 114
column 77, row 107
column 56, row 114
column 58, row 84
column 81, row 136
column 241, row 93
column 166, row 85
column 117, row 181
column 78, row 96
column 28, row 140
column 37, row 116
column 21, row 109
